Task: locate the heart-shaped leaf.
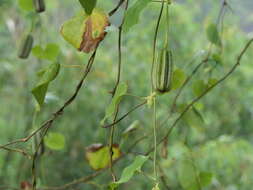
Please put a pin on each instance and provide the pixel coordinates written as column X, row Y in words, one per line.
column 46, row 76
column 50, row 52
column 55, row 141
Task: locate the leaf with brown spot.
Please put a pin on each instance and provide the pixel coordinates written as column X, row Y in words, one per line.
column 86, row 32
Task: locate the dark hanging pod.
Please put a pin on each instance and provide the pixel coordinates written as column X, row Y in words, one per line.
column 26, row 47
column 39, row 5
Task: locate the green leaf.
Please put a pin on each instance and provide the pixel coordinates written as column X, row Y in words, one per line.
column 26, row 5
column 129, row 171
column 38, row 52
column 98, row 155
column 88, row 5
column 50, row 53
column 46, row 76
column 178, row 79
column 55, row 141
column 198, row 87
column 111, row 109
column 211, row 82
column 187, row 175
column 213, row 34
column 217, row 58
column 133, row 13
column 193, row 118
column 134, row 126
column 205, row 178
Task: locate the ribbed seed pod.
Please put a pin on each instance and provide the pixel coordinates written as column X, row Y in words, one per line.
column 163, row 72
column 39, row 5
column 26, row 47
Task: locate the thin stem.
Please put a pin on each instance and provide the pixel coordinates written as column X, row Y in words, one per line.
column 126, row 114
column 112, row 130
column 155, row 138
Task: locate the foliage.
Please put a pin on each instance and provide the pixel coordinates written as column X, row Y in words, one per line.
column 211, row 145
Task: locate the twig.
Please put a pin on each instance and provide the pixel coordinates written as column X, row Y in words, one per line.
column 116, row 8
column 126, row 114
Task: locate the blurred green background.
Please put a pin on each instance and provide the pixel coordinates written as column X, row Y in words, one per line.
column 220, row 142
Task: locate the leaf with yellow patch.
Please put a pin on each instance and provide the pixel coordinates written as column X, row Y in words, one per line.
column 98, row 155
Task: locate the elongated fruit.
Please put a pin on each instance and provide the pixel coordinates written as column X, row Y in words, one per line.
column 39, row 5
column 26, row 47
column 163, row 72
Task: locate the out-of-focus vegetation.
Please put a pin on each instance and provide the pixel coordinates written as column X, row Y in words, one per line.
column 220, row 142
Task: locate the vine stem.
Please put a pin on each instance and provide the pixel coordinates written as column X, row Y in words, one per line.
column 155, row 138
column 112, row 130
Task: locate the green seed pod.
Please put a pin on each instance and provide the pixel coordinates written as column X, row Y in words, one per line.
column 39, row 5
column 163, row 71
column 25, row 47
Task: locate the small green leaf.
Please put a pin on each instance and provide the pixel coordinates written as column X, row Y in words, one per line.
column 38, row 52
column 135, row 125
column 211, row 82
column 50, row 53
column 129, row 171
column 199, row 87
column 55, row 141
column 46, row 76
column 26, row 5
column 178, row 79
column 88, row 5
column 111, row 109
column 205, row 178
column 133, row 13
column 98, row 155
column 217, row 58
column 187, row 175
column 213, row 34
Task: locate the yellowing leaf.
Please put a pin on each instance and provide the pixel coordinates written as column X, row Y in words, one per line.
column 86, row 32
column 98, row 155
